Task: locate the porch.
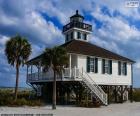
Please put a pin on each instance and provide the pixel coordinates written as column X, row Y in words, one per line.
column 67, row 75
column 35, row 71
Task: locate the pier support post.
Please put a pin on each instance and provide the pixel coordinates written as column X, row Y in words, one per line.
column 70, row 64
column 122, row 94
column 115, row 93
column 131, row 93
column 108, row 92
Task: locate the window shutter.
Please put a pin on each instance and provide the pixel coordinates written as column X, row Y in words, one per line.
column 110, row 66
column 96, row 65
column 103, row 66
column 119, row 68
column 88, row 64
column 125, row 68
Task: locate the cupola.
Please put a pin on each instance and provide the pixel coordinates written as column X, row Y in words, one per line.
column 77, row 29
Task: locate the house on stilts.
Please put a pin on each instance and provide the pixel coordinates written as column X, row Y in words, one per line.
column 92, row 71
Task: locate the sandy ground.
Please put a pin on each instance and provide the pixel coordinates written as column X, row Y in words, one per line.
column 125, row 109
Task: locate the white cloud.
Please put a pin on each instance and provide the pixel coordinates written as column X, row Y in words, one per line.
column 109, row 45
column 6, row 20
column 44, row 30
column 119, row 6
column 115, row 28
column 137, row 65
column 37, row 50
column 3, row 39
column 24, row 18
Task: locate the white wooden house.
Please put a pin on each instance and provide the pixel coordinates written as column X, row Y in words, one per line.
column 103, row 73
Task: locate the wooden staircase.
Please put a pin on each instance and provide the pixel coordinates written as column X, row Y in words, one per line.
column 93, row 88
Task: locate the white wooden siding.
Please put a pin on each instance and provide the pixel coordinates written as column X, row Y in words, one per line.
column 106, row 79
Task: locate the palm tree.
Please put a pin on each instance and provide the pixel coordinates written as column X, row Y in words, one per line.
column 55, row 58
column 17, row 51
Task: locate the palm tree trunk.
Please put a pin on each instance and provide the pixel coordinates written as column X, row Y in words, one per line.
column 17, row 78
column 54, row 92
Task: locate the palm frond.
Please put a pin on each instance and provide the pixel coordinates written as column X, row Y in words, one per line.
column 17, row 50
column 56, row 58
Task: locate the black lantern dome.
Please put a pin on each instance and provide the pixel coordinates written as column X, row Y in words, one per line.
column 77, row 17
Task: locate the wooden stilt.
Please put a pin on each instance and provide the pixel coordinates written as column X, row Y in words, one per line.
column 122, row 94
column 61, row 94
column 115, row 94
column 58, row 93
column 68, row 97
column 131, row 93
column 108, row 92
column 86, row 99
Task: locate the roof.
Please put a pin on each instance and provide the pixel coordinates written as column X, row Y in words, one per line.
column 86, row 48
column 77, row 15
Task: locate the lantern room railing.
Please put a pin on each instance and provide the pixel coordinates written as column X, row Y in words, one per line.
column 80, row 25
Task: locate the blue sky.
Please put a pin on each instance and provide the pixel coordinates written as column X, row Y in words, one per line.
column 115, row 27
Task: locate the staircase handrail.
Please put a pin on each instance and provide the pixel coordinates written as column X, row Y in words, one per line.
column 94, row 87
column 94, row 82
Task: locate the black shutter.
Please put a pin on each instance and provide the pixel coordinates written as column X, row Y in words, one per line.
column 103, row 66
column 119, row 68
column 125, row 64
column 88, row 64
column 110, row 66
column 96, row 65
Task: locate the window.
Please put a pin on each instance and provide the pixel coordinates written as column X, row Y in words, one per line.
column 85, row 36
column 122, row 68
column 92, row 64
column 106, row 66
column 71, row 34
column 78, row 35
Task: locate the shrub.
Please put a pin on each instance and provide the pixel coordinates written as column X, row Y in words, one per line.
column 136, row 95
column 24, row 98
column 23, row 102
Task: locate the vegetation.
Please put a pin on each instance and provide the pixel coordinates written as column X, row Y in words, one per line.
column 136, row 95
column 17, row 51
column 24, row 98
column 55, row 59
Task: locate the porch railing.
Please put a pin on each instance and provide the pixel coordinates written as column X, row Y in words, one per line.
column 67, row 74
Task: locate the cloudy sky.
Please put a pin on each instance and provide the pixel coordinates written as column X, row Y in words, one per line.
column 115, row 27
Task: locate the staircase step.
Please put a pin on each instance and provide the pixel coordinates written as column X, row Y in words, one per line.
column 93, row 89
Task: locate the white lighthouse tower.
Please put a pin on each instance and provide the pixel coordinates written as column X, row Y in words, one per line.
column 77, row 29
